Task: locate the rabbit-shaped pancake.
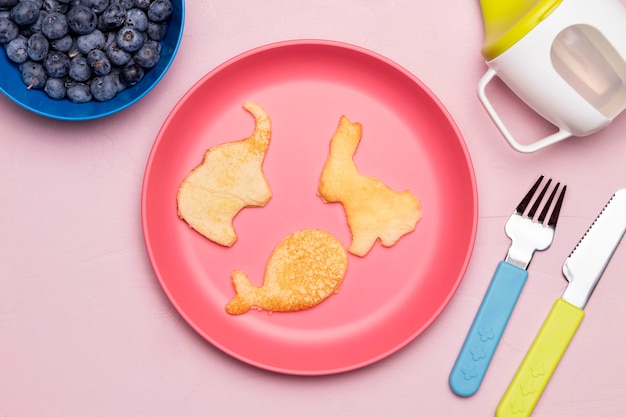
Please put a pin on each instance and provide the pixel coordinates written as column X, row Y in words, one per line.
column 373, row 210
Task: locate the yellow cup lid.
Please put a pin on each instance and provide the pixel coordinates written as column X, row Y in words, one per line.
column 508, row 21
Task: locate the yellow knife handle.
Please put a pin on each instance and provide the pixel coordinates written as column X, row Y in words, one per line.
column 542, row 358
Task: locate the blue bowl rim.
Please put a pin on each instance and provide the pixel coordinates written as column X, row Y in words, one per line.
column 150, row 81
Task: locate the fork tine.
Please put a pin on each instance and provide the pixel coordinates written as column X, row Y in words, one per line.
column 535, row 206
column 526, row 200
column 557, row 208
column 546, row 207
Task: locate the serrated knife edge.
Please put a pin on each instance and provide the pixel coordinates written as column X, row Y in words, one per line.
column 585, row 265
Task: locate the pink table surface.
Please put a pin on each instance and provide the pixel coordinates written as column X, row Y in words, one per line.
column 85, row 329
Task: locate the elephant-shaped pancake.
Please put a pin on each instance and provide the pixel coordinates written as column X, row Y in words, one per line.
column 229, row 178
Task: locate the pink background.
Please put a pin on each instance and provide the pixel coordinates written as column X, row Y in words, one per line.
column 85, row 329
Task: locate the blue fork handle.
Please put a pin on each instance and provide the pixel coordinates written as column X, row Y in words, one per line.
column 484, row 335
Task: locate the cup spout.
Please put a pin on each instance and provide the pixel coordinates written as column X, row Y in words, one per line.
column 506, row 22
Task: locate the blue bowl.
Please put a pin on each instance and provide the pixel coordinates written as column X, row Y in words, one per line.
column 38, row 102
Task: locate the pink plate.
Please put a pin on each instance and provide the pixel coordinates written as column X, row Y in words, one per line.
column 409, row 142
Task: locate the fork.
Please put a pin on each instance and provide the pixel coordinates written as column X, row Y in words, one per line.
column 527, row 235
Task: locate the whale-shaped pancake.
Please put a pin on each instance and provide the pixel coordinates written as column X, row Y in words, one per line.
column 229, row 178
column 304, row 269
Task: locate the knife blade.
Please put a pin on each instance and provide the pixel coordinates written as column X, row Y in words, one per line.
column 583, row 268
column 585, row 265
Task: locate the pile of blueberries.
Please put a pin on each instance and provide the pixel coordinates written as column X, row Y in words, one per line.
column 83, row 49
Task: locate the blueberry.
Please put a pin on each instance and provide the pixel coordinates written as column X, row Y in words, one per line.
column 137, row 19
column 112, row 17
column 73, row 51
column 98, row 61
column 142, row 4
column 160, row 10
column 54, row 25
column 56, row 64
column 63, row 44
column 80, row 69
column 39, row 3
column 7, row 4
column 55, row 88
column 148, row 55
column 79, row 92
column 155, row 44
column 156, row 30
column 129, row 39
column 97, row 6
column 81, row 19
column 109, row 38
column 116, row 55
column 33, row 75
column 26, row 32
column 131, row 74
column 8, row 30
column 38, row 46
column 55, row 6
column 17, row 50
column 89, row 42
column 103, row 88
column 115, row 75
column 25, row 13
column 127, row 4
column 36, row 27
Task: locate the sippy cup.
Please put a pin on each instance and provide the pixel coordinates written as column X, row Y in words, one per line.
column 566, row 59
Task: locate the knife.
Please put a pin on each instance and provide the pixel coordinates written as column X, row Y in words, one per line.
column 583, row 268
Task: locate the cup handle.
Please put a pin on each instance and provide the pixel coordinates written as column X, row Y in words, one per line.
column 525, row 148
